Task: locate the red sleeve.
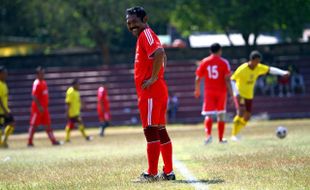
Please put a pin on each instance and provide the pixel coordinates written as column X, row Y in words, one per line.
column 36, row 89
column 100, row 94
column 150, row 42
column 200, row 71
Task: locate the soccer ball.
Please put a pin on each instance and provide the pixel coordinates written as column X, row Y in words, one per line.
column 281, row 132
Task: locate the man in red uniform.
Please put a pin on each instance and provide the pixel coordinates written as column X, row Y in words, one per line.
column 39, row 109
column 103, row 108
column 216, row 72
column 152, row 94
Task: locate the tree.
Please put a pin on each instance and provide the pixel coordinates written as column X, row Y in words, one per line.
column 242, row 16
column 88, row 23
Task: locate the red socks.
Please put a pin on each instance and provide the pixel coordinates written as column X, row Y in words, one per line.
column 166, row 150
column 153, row 148
column 158, row 141
column 221, row 128
column 31, row 133
column 50, row 134
column 208, row 126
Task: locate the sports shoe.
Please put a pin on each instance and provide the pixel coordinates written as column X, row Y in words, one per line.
column 208, row 140
column 30, row 145
column 57, row 143
column 168, row 177
column 101, row 133
column 145, row 177
column 89, row 138
column 223, row 141
column 4, row 145
column 235, row 138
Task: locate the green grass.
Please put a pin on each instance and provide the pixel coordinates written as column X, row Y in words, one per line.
column 259, row 161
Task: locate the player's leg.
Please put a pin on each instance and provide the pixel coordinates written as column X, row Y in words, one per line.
column 221, row 127
column 208, row 128
column 10, row 126
column 208, row 109
column 165, row 143
column 34, row 120
column 151, row 133
column 82, row 129
column 104, row 122
column 246, row 114
column 240, row 107
column 69, row 127
column 221, row 110
column 1, row 126
column 46, row 121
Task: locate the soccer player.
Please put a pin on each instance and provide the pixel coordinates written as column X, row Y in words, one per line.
column 39, row 108
column 103, row 108
column 73, row 102
column 152, row 93
column 243, row 82
column 216, row 72
column 6, row 118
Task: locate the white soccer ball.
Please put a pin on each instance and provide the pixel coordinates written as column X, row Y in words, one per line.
column 281, row 132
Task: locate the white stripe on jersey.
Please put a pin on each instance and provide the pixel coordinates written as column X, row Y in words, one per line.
column 149, row 36
column 227, row 63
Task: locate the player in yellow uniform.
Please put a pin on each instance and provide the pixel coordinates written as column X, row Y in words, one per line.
column 243, row 82
column 6, row 118
column 73, row 102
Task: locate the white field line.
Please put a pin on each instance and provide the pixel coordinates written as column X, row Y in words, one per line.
column 190, row 178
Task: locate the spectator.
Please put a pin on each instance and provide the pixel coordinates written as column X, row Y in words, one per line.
column 173, row 104
column 297, row 82
column 284, row 86
column 260, row 86
column 271, row 82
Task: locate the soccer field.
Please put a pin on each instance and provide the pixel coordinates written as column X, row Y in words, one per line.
column 259, row 161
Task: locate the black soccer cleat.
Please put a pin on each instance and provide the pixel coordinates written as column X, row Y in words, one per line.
column 56, row 143
column 145, row 177
column 89, row 138
column 168, row 177
column 30, row 145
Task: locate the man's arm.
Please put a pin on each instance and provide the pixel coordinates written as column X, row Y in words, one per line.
column 234, row 88
column 228, row 85
column 197, row 87
column 159, row 55
column 35, row 99
column 3, row 108
column 277, row 71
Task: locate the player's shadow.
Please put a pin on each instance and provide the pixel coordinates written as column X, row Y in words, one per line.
column 205, row 181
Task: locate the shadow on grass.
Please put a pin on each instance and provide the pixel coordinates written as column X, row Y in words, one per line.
column 206, row 181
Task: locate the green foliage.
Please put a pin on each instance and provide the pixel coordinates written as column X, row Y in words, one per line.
column 242, row 16
column 101, row 24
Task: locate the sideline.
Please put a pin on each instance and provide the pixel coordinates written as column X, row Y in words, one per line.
column 189, row 177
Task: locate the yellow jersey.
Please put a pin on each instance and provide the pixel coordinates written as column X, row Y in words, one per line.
column 73, row 98
column 246, row 77
column 4, row 94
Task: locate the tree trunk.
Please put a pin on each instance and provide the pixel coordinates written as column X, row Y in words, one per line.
column 247, row 44
column 227, row 34
column 106, row 54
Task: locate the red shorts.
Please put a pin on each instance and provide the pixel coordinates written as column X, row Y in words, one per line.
column 104, row 116
column 214, row 103
column 153, row 111
column 241, row 102
column 40, row 118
